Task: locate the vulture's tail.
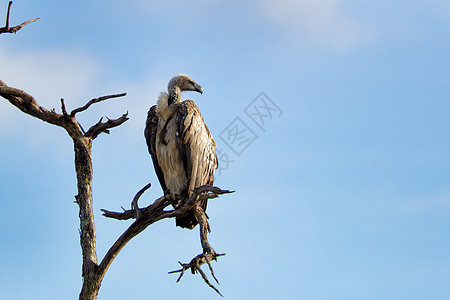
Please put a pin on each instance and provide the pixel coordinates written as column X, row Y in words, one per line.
column 189, row 221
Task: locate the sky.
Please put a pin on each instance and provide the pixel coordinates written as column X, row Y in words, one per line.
column 331, row 119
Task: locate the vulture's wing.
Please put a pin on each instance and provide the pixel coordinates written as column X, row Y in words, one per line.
column 151, row 126
column 196, row 146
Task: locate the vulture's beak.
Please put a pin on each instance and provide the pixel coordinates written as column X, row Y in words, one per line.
column 198, row 88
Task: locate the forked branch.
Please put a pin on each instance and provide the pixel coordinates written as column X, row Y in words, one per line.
column 14, row 29
column 103, row 127
column 28, row 105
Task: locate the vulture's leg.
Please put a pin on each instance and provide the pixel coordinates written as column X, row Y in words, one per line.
column 208, row 252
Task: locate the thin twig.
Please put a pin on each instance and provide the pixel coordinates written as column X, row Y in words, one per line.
column 102, row 127
column 7, row 14
column 18, row 27
column 63, row 107
column 95, row 100
column 134, row 204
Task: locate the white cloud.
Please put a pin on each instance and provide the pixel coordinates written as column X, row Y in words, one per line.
column 48, row 76
column 324, row 21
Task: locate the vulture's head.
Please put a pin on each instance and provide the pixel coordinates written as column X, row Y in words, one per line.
column 181, row 83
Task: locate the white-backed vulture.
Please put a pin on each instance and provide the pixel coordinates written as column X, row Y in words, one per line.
column 180, row 144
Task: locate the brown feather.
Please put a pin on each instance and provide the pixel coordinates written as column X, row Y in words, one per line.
column 196, row 147
column 150, row 137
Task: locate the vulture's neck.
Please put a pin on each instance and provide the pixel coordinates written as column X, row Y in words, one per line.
column 174, row 95
column 165, row 110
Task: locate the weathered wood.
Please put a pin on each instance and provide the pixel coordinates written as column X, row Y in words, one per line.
column 83, row 167
column 103, row 127
column 7, row 29
column 95, row 100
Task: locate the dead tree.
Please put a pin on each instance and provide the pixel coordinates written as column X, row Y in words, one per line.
column 92, row 271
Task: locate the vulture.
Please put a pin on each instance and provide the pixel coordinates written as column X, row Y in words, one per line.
column 180, row 144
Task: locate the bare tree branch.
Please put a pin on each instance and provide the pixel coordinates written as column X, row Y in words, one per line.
column 204, row 192
column 7, row 14
column 134, row 203
column 103, row 127
column 63, row 107
column 96, row 100
column 28, row 105
column 14, row 29
column 156, row 212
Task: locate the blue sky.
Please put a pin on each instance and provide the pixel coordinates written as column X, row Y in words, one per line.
column 345, row 195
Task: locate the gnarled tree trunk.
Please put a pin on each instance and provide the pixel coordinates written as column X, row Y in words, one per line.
column 83, row 167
